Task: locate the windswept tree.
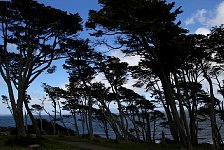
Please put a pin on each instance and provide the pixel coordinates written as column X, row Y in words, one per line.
column 54, row 94
column 149, row 29
column 116, row 73
column 104, row 97
column 38, row 109
column 36, row 32
column 80, row 66
column 29, row 112
column 138, row 109
column 213, row 45
column 5, row 100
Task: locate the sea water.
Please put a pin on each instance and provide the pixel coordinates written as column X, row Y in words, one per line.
column 204, row 132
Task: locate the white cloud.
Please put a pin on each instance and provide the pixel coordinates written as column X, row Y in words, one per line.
column 190, row 21
column 207, row 18
column 130, row 83
column 203, row 31
column 131, row 60
column 101, row 78
column 218, row 18
column 63, row 86
column 199, row 16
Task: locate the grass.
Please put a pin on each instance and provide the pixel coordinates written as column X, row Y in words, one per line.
column 129, row 145
column 51, row 144
column 55, row 143
column 48, row 143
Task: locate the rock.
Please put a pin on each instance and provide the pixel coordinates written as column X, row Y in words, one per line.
column 34, row 147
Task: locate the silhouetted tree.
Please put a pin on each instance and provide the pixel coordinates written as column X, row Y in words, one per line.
column 207, row 52
column 116, row 74
column 29, row 112
column 5, row 100
column 103, row 98
column 54, row 94
column 149, row 29
column 38, row 108
column 80, row 66
column 156, row 116
column 73, row 96
column 35, row 31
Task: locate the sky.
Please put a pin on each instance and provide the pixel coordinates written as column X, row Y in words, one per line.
column 198, row 16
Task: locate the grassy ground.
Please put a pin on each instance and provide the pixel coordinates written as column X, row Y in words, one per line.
column 48, row 143
column 78, row 143
column 129, row 145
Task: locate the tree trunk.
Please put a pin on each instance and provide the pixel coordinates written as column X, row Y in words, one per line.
column 41, row 122
column 90, row 120
column 90, row 103
column 183, row 117
column 34, row 121
column 134, row 124
column 113, row 122
column 106, row 130
column 193, row 126
column 55, row 115
column 191, row 103
column 17, row 110
column 173, row 129
column 169, row 98
column 148, row 137
column 82, row 117
column 75, row 122
column 122, row 120
column 61, row 118
column 154, row 131
column 26, row 121
column 216, row 137
column 19, row 114
column 21, row 131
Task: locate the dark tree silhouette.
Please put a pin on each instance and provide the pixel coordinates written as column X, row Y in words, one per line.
column 80, row 66
column 116, row 74
column 35, row 31
column 104, row 97
column 149, row 29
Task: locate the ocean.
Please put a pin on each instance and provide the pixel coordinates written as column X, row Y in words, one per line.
column 204, row 132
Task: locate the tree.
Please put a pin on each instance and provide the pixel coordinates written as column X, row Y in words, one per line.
column 38, row 108
column 54, row 94
column 35, row 31
column 213, row 44
column 116, row 74
column 5, row 100
column 33, row 119
column 80, row 66
column 156, row 116
column 103, row 98
column 73, row 96
column 149, row 29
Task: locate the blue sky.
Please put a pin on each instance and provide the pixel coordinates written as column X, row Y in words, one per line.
column 198, row 16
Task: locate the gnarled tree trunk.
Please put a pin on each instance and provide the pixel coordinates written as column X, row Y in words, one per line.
column 169, row 99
